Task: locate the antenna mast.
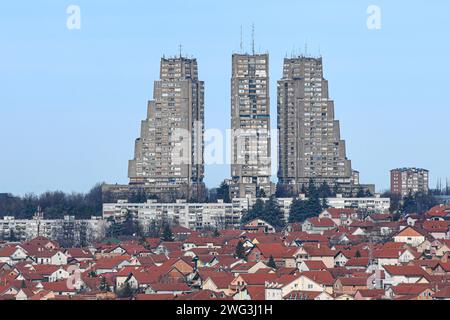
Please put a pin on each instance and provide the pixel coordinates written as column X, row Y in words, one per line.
column 242, row 41
column 253, row 38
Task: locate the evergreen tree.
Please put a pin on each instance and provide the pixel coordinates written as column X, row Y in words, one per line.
column 325, row 190
column 240, row 250
column 299, row 211
column 313, row 203
column 255, row 212
column 125, row 292
column 260, row 193
column 271, row 263
column 223, row 192
column 103, row 285
column 272, row 213
column 409, row 204
column 167, row 234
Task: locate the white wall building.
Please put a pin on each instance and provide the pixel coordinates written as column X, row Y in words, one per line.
column 371, row 204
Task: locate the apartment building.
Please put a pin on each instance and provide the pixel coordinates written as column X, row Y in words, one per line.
column 168, row 159
column 310, row 145
column 250, row 124
column 409, row 180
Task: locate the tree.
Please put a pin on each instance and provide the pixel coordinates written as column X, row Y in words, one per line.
column 216, row 233
column 223, row 192
column 299, row 211
column 260, row 193
column 126, row 291
column 409, row 204
column 255, row 212
column 271, row 263
column 240, row 250
column 167, row 233
column 268, row 211
column 325, row 190
column 272, row 213
column 303, row 209
column 103, row 285
column 357, row 254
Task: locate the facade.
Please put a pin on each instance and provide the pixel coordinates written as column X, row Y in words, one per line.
column 67, row 230
column 310, row 146
column 168, row 159
column 250, row 124
column 375, row 204
column 409, row 180
column 196, row 216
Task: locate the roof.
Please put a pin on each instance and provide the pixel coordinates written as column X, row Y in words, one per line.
column 253, row 279
column 302, row 295
column 276, row 250
column 221, row 279
column 409, row 232
column 353, row 281
column 408, row 271
column 322, row 222
column 443, row 293
column 315, row 265
column 407, row 289
column 320, row 277
column 257, row 293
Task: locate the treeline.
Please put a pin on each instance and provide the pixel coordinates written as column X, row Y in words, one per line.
column 419, row 202
column 54, row 205
column 300, row 210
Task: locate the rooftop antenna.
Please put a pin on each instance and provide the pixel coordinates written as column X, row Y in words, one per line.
column 242, row 41
column 180, row 47
column 306, row 49
column 253, row 38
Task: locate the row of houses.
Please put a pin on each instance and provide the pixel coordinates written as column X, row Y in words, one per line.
column 336, row 259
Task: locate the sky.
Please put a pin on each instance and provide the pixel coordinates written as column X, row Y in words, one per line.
column 71, row 100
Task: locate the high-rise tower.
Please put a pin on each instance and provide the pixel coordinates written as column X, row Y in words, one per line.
column 250, row 123
column 310, row 146
column 168, row 158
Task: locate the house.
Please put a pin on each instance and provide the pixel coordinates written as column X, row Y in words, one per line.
column 408, row 291
column 248, row 267
column 312, row 265
column 282, row 255
column 443, row 294
column 339, row 216
column 168, row 288
column 437, row 229
column 258, row 225
column 350, row 285
column 369, row 294
column 315, row 252
column 61, row 287
column 316, row 281
column 409, row 235
column 112, row 264
column 395, row 275
column 308, row 295
column 318, row 225
column 12, row 254
column 218, row 282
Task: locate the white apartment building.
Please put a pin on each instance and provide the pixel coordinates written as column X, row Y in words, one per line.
column 56, row 229
column 371, row 204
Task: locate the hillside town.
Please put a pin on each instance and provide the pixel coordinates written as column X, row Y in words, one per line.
column 337, row 255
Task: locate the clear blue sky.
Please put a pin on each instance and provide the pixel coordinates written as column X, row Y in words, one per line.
column 71, row 102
